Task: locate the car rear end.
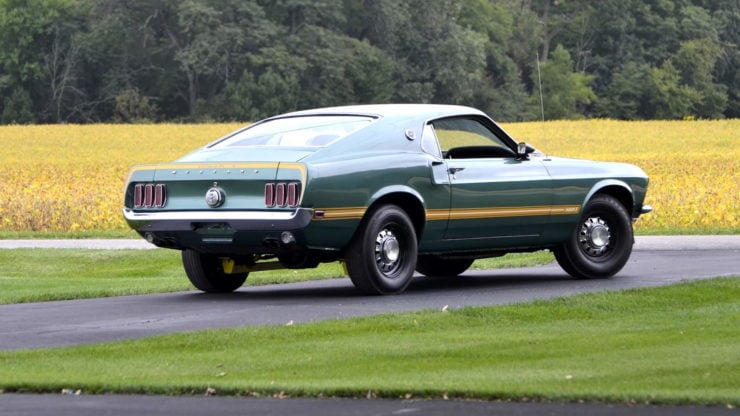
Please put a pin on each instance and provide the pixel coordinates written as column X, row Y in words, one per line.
column 218, row 207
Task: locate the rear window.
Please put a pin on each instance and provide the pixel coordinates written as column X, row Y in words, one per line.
column 306, row 131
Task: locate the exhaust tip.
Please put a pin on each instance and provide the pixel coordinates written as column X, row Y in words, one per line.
column 149, row 237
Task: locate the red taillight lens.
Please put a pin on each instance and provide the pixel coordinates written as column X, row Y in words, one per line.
column 292, row 194
column 282, row 194
column 270, row 195
column 150, row 195
column 160, row 195
column 138, row 196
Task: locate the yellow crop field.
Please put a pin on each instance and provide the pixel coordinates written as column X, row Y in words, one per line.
column 60, row 178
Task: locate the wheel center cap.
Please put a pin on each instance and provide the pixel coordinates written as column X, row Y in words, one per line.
column 599, row 236
column 391, row 250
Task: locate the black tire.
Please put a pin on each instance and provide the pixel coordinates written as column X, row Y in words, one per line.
column 382, row 255
column 434, row 266
column 602, row 242
column 206, row 273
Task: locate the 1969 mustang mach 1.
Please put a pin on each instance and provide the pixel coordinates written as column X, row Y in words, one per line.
column 388, row 189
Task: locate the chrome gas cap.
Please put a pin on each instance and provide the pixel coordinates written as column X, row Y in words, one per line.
column 215, row 196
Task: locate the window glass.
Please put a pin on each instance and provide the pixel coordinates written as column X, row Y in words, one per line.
column 429, row 142
column 457, row 132
column 308, row 131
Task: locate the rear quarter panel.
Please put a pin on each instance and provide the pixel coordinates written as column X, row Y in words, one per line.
column 344, row 190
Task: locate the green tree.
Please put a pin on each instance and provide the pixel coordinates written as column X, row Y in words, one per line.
column 38, row 55
column 435, row 58
column 667, row 97
column 695, row 61
column 132, row 107
column 17, row 108
column 501, row 93
column 211, row 39
column 565, row 92
column 625, row 98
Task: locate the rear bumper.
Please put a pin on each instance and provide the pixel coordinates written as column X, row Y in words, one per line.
column 220, row 231
column 240, row 220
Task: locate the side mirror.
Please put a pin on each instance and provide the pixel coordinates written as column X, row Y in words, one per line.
column 523, row 149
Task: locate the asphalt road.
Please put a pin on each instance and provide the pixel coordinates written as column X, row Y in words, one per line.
column 656, row 261
column 53, row 324
column 62, row 405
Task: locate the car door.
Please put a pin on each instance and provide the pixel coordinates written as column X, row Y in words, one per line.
column 497, row 198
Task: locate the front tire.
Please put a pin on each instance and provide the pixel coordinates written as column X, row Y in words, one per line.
column 382, row 255
column 206, row 273
column 435, row 266
column 602, row 242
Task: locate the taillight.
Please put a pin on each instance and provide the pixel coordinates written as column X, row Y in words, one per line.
column 292, row 197
column 150, row 195
column 282, row 194
column 270, row 195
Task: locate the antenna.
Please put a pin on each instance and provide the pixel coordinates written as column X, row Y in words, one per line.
column 542, row 101
column 539, row 80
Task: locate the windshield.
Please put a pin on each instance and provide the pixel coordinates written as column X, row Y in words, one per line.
column 305, row 131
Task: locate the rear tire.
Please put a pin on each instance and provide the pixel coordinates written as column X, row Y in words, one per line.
column 382, row 255
column 435, row 266
column 602, row 242
column 206, row 273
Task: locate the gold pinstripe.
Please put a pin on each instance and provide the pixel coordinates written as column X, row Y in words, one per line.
column 187, row 166
column 356, row 213
column 346, row 213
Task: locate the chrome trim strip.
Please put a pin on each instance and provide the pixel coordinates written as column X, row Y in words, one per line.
column 646, row 209
column 209, row 215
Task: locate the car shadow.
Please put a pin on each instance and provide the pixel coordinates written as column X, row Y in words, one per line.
column 335, row 289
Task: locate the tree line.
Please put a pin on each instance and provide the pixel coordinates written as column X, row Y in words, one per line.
column 84, row 61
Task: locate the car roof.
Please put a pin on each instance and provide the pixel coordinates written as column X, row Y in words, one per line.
column 427, row 111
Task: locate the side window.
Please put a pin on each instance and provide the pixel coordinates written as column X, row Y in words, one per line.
column 429, row 142
column 456, row 132
column 466, row 138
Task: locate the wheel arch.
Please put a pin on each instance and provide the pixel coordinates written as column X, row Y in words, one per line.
column 616, row 189
column 407, row 199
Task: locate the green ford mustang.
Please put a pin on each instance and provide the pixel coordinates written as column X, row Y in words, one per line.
column 388, row 189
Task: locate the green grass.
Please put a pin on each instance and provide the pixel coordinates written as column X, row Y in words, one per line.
column 46, row 235
column 34, row 275
column 677, row 344
column 687, row 231
column 639, row 230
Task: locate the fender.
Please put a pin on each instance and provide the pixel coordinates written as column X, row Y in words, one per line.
column 408, row 199
column 395, row 189
column 598, row 186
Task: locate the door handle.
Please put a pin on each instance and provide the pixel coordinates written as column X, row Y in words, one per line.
column 453, row 172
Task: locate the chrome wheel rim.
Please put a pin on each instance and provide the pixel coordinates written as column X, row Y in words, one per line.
column 388, row 253
column 594, row 237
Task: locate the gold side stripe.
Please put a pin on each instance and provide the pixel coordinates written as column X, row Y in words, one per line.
column 348, row 213
column 438, row 214
column 481, row 213
column 352, row 213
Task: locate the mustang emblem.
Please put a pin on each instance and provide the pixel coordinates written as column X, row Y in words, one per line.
column 215, row 196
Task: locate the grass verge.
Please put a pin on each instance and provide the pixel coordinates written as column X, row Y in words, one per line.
column 35, row 275
column 130, row 234
column 678, row 344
